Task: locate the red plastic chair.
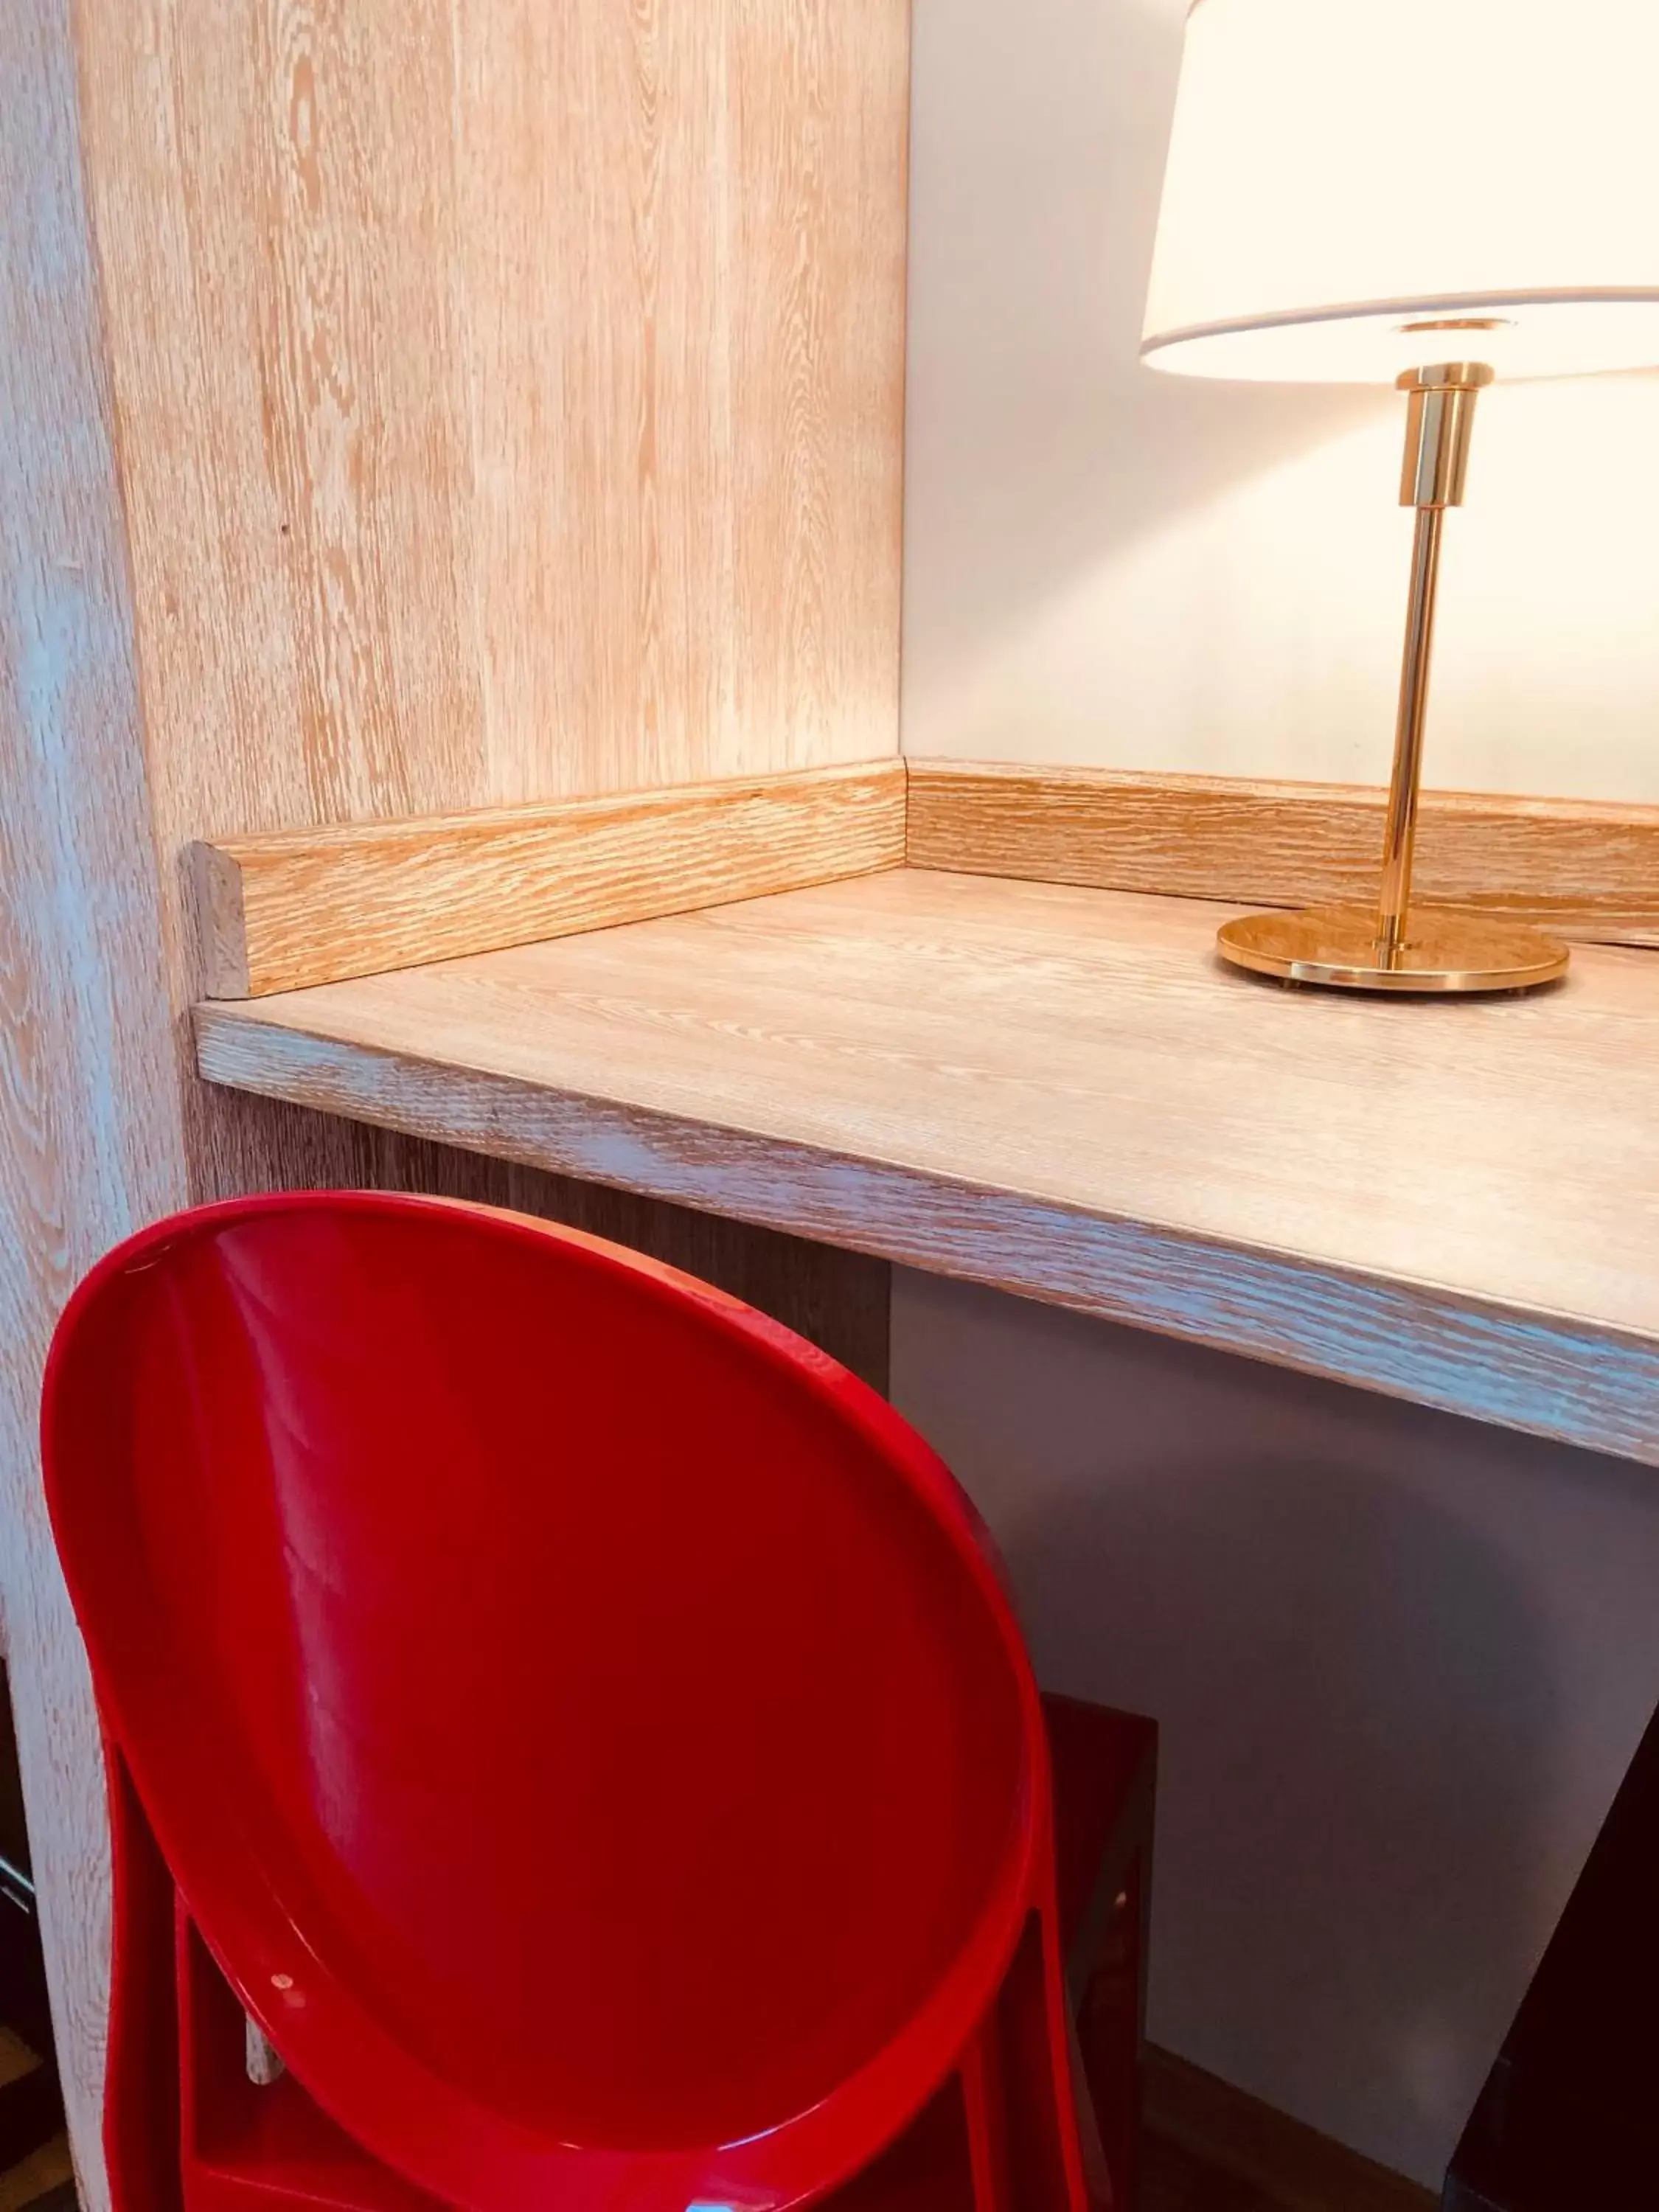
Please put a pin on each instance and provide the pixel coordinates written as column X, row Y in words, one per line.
column 585, row 1726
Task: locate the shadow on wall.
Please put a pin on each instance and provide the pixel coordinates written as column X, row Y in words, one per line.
column 1401, row 1661
column 1108, row 564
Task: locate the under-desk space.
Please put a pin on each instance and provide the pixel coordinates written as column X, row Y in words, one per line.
column 1062, row 1093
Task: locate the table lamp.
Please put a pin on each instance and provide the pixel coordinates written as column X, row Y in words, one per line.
column 1427, row 193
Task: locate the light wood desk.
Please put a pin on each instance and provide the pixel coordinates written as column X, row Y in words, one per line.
column 1059, row 1093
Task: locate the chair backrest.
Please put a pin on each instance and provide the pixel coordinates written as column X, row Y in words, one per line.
column 586, row 1723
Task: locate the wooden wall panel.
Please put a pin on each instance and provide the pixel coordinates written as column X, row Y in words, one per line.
column 510, row 396
column 506, row 402
column 276, row 238
column 89, row 1135
column 682, row 286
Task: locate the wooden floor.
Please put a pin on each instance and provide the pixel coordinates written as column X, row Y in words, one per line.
column 1213, row 2148
column 1174, row 2180
column 45, row 2181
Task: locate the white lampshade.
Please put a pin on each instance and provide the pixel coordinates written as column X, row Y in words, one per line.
column 1339, row 169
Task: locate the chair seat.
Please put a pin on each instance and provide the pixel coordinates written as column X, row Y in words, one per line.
column 255, row 2143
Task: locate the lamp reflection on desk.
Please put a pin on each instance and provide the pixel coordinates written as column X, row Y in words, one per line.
column 1430, row 193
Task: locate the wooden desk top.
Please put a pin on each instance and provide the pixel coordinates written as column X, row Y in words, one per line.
column 1061, row 1093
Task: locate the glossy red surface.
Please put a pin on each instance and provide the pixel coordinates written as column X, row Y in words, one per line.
column 585, row 1725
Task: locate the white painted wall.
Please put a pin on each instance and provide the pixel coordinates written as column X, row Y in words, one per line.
column 1106, row 564
column 1400, row 1660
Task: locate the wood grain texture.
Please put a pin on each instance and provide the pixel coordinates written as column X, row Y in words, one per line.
column 1284, row 2166
column 510, row 397
column 89, row 1136
column 293, row 907
column 1586, row 869
column 682, row 297
column 1061, row 1093
column 508, row 405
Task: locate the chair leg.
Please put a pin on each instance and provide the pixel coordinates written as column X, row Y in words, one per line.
column 1034, row 2137
column 985, row 2108
column 1111, row 2025
column 141, row 2076
column 1102, row 2180
column 1105, row 1766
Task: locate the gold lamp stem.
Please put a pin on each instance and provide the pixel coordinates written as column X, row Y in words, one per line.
column 1400, row 834
column 1387, row 947
column 1440, row 417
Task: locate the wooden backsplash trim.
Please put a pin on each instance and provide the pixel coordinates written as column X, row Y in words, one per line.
column 291, row 908
column 1585, row 868
column 295, row 907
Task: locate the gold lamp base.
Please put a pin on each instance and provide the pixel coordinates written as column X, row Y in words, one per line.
column 1445, row 951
